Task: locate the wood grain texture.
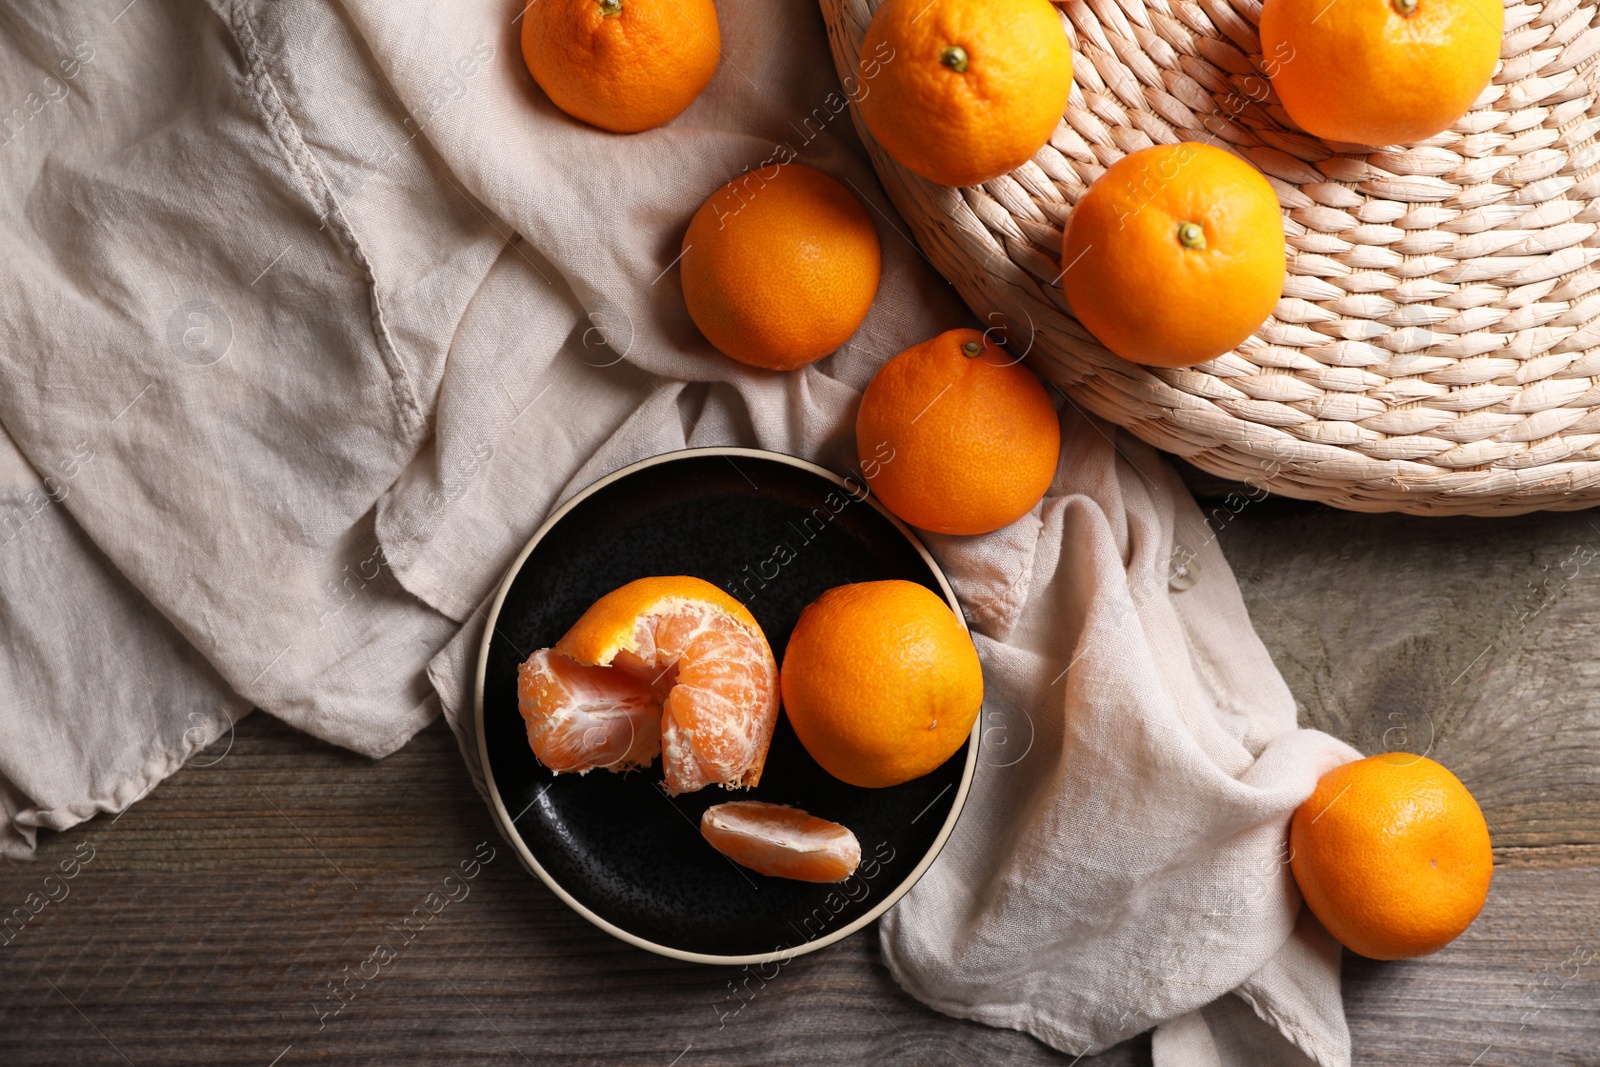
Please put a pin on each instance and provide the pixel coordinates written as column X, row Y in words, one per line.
column 1472, row 640
column 212, row 916
column 205, row 925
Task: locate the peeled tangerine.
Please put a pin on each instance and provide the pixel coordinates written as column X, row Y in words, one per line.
column 781, row 841
column 670, row 666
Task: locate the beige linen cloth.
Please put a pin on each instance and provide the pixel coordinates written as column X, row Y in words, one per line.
column 313, row 310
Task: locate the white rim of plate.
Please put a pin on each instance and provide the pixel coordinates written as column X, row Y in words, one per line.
column 508, row 828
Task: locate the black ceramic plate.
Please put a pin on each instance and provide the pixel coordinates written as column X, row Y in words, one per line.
column 775, row 532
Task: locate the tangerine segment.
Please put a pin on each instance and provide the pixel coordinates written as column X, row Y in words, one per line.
column 784, row 842
column 719, row 687
column 581, row 717
column 706, row 665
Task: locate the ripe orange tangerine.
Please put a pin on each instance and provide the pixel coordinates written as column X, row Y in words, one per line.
column 881, row 682
column 621, row 65
column 780, row 266
column 669, row 665
column 1380, row 72
column 1392, row 853
column 1175, row 254
column 961, row 91
column 960, row 437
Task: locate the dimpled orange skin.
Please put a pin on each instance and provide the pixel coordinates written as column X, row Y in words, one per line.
column 881, row 682
column 780, row 266
column 1135, row 285
column 1392, row 854
column 962, row 127
column 1361, row 72
column 956, row 443
column 609, row 624
column 632, row 70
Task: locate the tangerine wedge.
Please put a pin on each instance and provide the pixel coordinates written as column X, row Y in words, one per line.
column 671, row 665
column 581, row 717
column 781, row 841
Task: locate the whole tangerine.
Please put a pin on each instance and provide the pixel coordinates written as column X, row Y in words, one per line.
column 621, row 65
column 1378, row 72
column 881, row 682
column 1175, row 254
column 780, row 266
column 1392, row 854
column 961, row 91
column 956, row 436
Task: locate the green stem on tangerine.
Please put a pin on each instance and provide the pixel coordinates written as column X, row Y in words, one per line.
column 1190, row 235
column 971, row 349
column 1405, row 8
column 610, row 9
column 955, row 57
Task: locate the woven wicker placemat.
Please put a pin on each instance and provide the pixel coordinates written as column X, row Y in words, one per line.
column 1437, row 347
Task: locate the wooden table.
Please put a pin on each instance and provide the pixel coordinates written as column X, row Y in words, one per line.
column 208, row 924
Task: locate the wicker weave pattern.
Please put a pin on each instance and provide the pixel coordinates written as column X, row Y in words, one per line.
column 1437, row 347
